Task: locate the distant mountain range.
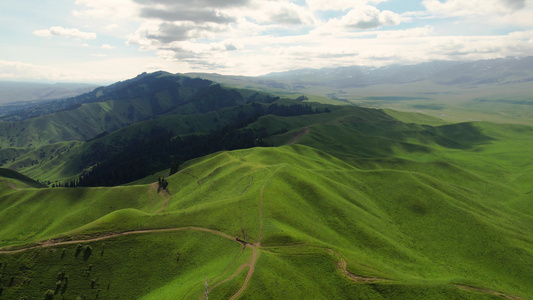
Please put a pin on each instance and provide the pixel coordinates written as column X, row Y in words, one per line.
column 508, row 70
column 447, row 73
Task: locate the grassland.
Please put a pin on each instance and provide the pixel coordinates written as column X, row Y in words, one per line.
column 412, row 207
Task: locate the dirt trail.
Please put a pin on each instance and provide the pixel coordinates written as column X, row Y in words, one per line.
column 254, row 247
column 251, row 264
column 13, row 186
column 163, row 193
column 298, row 135
column 51, row 243
column 487, row 291
column 342, row 266
column 250, row 271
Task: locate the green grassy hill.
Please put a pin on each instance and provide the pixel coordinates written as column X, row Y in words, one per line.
column 16, row 179
column 361, row 205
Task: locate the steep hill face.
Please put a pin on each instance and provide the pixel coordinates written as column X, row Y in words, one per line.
column 16, row 179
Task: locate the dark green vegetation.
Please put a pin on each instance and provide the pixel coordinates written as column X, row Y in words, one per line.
column 356, row 203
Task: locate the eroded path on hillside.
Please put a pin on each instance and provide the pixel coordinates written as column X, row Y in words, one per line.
column 13, row 186
column 488, row 292
column 298, row 135
column 254, row 247
column 165, row 194
column 59, row 242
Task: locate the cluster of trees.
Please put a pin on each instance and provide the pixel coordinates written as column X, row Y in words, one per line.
column 159, row 149
column 163, row 184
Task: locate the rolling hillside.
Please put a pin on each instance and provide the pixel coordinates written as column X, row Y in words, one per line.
column 360, row 205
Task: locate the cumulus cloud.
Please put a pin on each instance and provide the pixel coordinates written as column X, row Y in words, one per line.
column 280, row 12
column 116, row 9
column 360, row 18
column 335, row 5
column 473, row 7
column 111, row 27
column 65, row 32
column 157, row 34
column 368, row 17
column 107, row 47
column 176, row 13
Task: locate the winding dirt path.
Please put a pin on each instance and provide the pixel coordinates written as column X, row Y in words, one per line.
column 487, row 291
column 341, row 265
column 255, row 255
column 254, row 247
column 51, row 243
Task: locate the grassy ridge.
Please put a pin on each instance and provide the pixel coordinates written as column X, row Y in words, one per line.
column 420, row 207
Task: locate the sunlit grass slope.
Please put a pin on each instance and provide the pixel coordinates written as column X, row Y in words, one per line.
column 151, row 266
column 416, row 211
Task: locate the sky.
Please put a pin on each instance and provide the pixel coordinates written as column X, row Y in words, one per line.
column 103, row 41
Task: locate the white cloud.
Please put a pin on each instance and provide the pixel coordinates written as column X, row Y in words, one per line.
column 473, row 7
column 411, row 32
column 116, row 9
column 278, row 12
column 335, row 5
column 107, row 47
column 360, row 18
column 111, row 27
column 368, row 17
column 65, row 32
